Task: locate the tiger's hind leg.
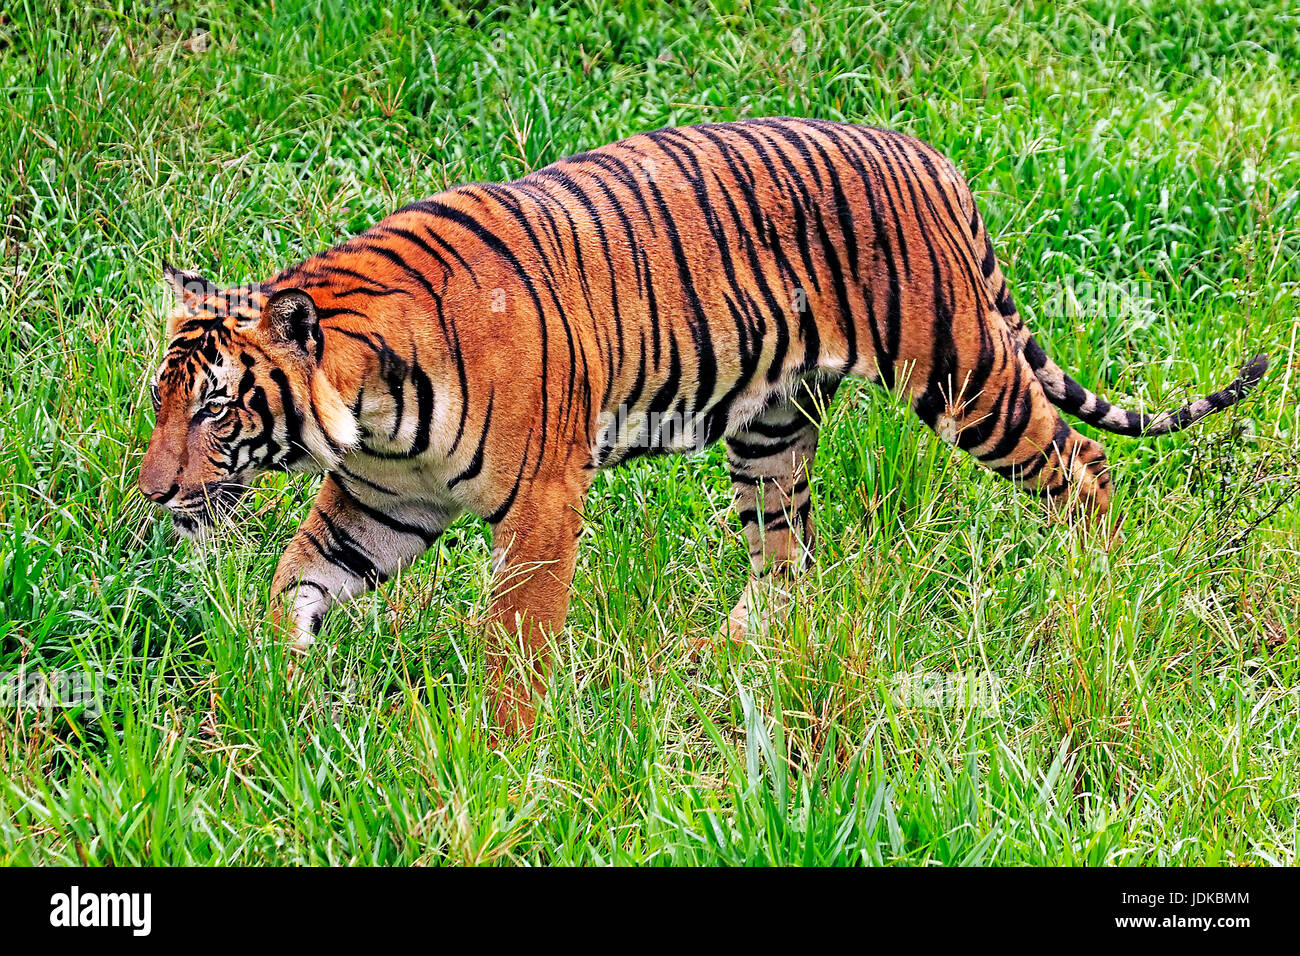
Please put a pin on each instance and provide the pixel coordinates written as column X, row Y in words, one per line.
column 771, row 462
column 1012, row 428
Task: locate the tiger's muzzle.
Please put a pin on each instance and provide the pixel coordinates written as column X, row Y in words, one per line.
column 194, row 515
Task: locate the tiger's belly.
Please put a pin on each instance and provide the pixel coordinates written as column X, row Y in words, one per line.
column 646, row 429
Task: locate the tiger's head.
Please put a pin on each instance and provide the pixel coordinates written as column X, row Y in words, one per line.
column 240, row 391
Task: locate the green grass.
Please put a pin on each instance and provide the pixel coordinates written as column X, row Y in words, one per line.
column 1147, row 697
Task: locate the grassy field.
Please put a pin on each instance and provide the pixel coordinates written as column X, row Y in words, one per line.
column 964, row 680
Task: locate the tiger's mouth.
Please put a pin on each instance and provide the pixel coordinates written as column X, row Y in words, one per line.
column 193, row 517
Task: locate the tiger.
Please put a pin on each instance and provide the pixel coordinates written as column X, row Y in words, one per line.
column 490, row 349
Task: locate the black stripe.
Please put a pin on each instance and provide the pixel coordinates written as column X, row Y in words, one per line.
column 475, row 465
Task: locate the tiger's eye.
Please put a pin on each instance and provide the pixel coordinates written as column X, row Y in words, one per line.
column 215, row 409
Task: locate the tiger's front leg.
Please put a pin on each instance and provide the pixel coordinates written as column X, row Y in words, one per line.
column 534, row 552
column 349, row 543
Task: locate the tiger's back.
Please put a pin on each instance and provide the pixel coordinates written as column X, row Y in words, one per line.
column 674, row 284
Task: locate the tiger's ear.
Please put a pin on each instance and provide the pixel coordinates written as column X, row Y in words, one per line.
column 290, row 317
column 187, row 285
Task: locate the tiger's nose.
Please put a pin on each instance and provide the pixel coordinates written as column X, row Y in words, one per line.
column 159, row 470
column 157, row 495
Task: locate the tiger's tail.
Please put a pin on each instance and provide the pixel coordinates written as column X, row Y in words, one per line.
column 1071, row 397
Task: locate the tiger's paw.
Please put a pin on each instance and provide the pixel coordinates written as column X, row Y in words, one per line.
column 297, row 654
column 296, row 641
column 762, row 605
column 734, row 632
column 744, row 625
